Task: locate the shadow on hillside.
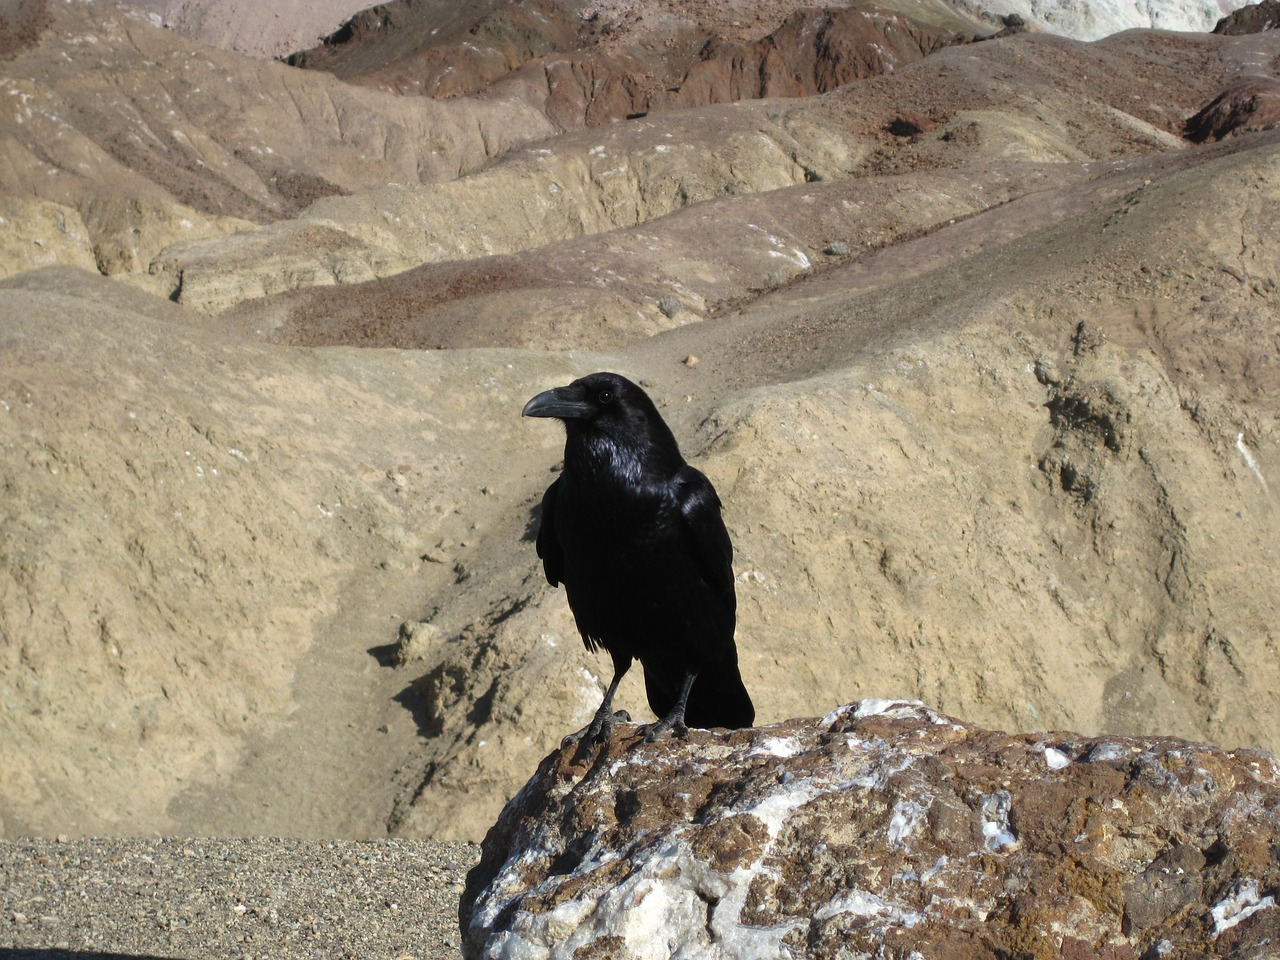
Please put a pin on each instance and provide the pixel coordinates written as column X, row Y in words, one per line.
column 419, row 706
column 384, row 653
column 533, row 523
column 420, row 697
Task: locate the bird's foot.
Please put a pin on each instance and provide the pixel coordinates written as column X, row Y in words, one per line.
column 673, row 726
column 599, row 730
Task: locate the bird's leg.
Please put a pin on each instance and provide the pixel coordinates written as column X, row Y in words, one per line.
column 601, row 727
column 673, row 722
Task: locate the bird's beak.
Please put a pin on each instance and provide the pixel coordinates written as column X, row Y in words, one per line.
column 565, row 403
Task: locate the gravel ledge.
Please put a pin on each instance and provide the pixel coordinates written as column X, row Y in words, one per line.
column 223, row 898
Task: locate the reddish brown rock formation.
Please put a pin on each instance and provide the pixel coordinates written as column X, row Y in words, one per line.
column 881, row 830
column 422, row 47
column 596, row 70
column 1251, row 19
column 814, row 51
column 1248, row 105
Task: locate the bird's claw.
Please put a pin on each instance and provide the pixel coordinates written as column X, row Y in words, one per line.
column 600, row 730
column 663, row 727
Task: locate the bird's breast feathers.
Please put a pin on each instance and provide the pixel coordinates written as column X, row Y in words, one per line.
column 617, row 520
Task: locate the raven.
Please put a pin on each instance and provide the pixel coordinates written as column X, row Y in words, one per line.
column 635, row 535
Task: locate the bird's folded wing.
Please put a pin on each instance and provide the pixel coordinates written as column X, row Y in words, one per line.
column 548, row 544
column 704, row 528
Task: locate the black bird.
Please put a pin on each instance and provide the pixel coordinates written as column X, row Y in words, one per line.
column 635, row 535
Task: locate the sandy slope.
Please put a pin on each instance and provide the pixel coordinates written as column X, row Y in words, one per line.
column 1009, row 449
column 264, row 30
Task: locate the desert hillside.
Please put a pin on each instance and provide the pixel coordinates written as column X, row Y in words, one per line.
column 975, row 328
column 286, row 27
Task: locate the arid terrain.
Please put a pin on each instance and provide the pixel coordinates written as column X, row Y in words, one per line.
column 977, row 335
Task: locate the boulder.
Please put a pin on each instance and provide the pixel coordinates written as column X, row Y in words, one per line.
column 883, row 829
column 1247, row 105
column 1254, row 18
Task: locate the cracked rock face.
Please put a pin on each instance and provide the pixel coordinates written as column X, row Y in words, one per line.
column 883, row 830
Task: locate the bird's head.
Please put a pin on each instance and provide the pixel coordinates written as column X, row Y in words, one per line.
column 600, row 396
column 607, row 407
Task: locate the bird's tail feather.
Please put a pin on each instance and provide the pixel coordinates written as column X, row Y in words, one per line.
column 718, row 698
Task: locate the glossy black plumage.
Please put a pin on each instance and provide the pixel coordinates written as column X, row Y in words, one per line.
column 635, row 536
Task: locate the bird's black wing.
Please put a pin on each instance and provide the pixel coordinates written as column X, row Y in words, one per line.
column 718, row 697
column 548, row 544
column 705, row 532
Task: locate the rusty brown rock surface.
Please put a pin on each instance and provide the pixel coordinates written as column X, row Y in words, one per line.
column 600, row 64
column 884, row 829
column 1254, row 18
column 1248, row 105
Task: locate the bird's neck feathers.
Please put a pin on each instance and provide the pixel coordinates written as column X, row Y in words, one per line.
column 632, row 456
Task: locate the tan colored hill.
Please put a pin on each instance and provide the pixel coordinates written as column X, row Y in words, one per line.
column 123, row 139
column 985, row 372
column 1010, row 119
column 1027, row 99
column 1027, row 483
column 267, row 30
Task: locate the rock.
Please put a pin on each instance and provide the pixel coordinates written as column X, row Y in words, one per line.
column 417, row 641
column 1011, row 25
column 909, row 125
column 1254, row 18
column 883, row 829
column 1248, row 105
column 670, row 306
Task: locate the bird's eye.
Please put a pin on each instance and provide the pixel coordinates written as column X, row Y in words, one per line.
column 605, row 396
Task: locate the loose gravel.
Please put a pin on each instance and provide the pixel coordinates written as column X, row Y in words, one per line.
column 232, row 898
